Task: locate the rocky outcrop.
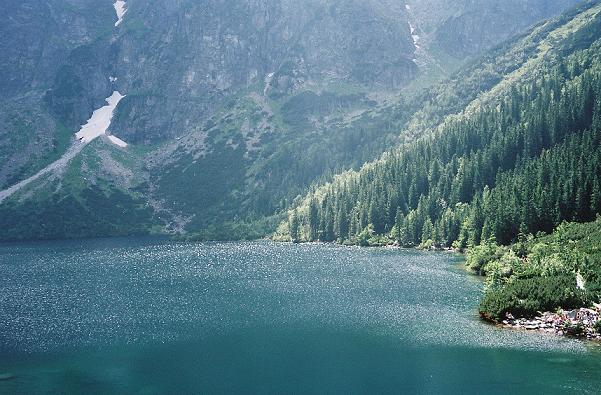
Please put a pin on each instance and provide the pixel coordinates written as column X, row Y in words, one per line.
column 454, row 27
column 583, row 323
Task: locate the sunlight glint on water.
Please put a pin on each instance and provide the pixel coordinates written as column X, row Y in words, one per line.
column 263, row 317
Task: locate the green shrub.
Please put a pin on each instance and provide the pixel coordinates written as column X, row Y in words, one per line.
column 496, row 303
column 480, row 256
column 365, row 235
column 524, row 297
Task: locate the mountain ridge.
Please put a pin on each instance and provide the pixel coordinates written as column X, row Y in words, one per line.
column 264, row 142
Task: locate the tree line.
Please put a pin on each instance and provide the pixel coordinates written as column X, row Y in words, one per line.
column 521, row 163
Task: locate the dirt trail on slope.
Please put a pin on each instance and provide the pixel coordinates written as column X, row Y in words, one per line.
column 56, row 166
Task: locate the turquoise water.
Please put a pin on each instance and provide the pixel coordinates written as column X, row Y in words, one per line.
column 142, row 316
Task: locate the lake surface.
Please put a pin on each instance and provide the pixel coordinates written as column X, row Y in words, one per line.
column 143, row 316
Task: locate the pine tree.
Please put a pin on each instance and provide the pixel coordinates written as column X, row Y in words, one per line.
column 427, row 232
column 524, row 163
column 313, row 220
column 398, row 227
column 294, row 227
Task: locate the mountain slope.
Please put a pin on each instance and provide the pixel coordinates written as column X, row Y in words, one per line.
column 98, row 192
column 231, row 109
column 512, row 161
column 454, row 27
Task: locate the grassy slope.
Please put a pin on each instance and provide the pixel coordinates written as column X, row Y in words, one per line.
column 84, row 201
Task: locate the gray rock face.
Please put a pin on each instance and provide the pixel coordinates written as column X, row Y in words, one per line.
column 179, row 61
column 38, row 36
column 39, row 42
column 464, row 28
column 188, row 58
column 232, row 95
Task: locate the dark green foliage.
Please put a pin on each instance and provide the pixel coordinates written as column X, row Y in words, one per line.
column 584, row 240
column 522, row 163
column 93, row 214
column 294, row 227
column 518, row 164
column 202, row 185
column 479, row 256
column 524, row 297
column 545, row 279
column 228, row 231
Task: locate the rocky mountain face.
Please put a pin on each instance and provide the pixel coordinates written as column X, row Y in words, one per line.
column 466, row 28
column 180, row 61
column 231, row 108
column 39, row 41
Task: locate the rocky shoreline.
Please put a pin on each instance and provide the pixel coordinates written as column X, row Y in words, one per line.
column 581, row 323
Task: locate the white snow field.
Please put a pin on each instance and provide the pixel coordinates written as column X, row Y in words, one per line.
column 96, row 126
column 117, row 141
column 120, row 10
column 100, row 121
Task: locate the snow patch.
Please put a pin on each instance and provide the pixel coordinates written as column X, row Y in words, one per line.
column 113, row 79
column 120, row 10
column 268, row 80
column 96, row 126
column 117, row 141
column 407, row 7
column 414, row 36
column 100, row 121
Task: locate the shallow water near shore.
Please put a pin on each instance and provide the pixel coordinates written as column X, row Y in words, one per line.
column 151, row 316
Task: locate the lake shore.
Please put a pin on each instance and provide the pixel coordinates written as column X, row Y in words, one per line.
column 579, row 323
